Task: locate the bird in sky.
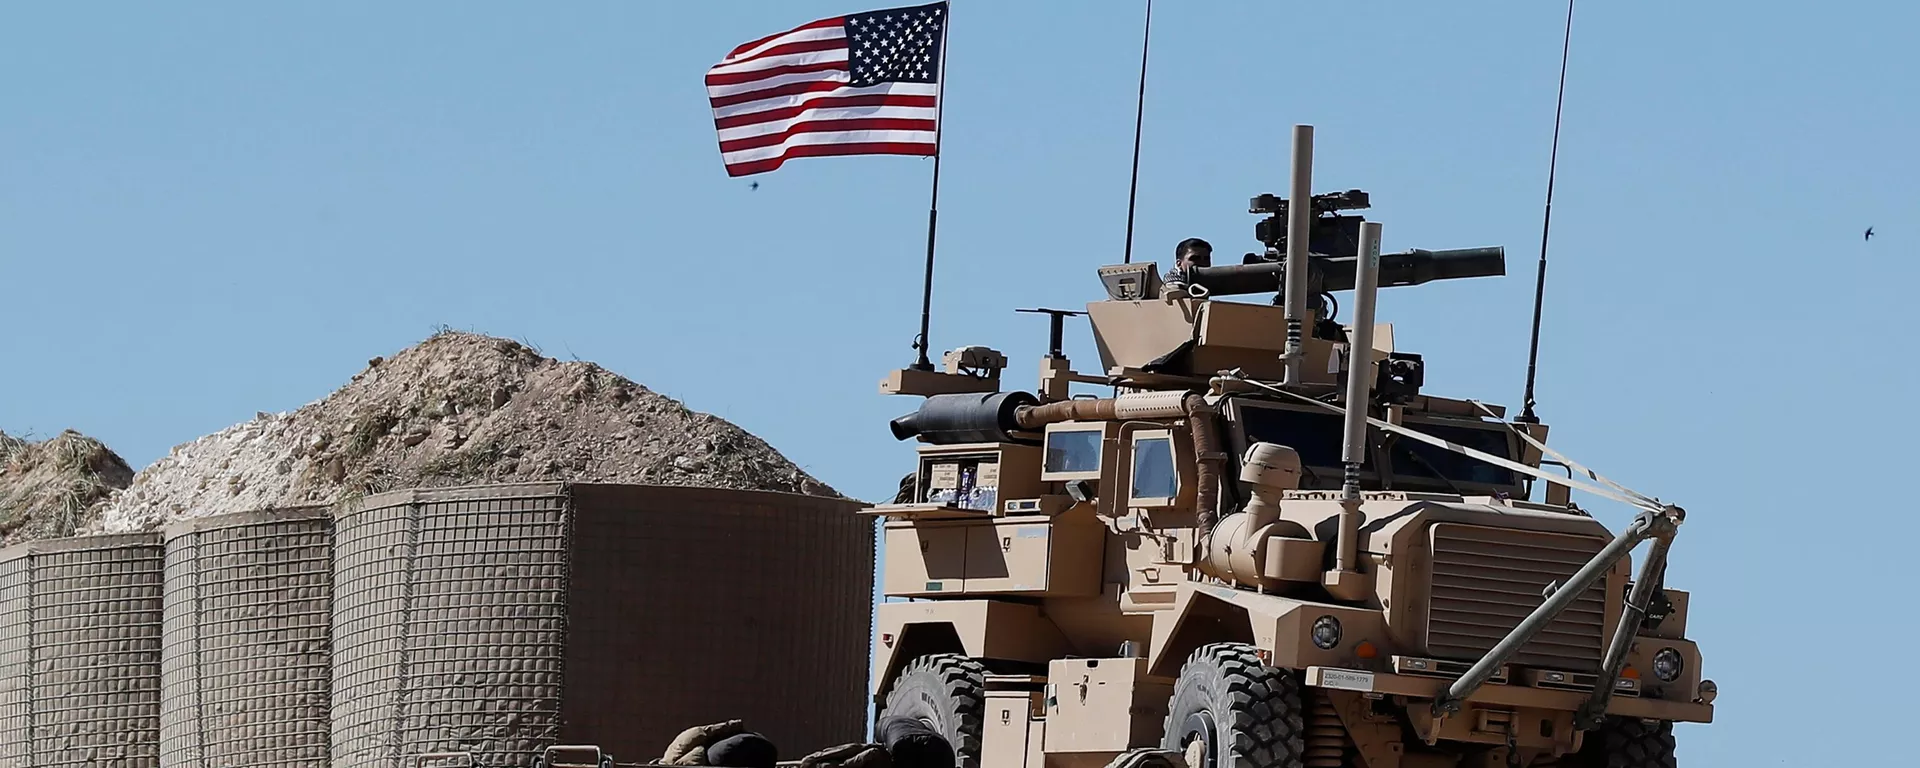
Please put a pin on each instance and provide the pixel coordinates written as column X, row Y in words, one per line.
column 756, row 185
column 1869, row 233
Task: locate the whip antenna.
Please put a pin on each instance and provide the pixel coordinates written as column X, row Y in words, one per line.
column 1139, row 110
column 1546, row 223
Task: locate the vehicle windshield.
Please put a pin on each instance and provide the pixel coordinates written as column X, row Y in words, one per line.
column 1316, row 436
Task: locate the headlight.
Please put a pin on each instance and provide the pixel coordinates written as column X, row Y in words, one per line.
column 1667, row 665
column 1326, row 633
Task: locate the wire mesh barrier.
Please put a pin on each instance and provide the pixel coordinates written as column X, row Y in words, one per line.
column 80, row 652
column 477, row 626
column 497, row 621
column 244, row 666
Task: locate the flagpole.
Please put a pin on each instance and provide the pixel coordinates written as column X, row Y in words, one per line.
column 1140, row 107
column 933, row 204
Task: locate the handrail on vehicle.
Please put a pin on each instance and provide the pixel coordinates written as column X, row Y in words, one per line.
column 420, row 760
column 548, row 757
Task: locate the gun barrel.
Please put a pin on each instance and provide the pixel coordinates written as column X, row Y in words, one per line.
column 1396, row 269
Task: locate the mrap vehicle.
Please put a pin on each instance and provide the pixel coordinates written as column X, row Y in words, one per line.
column 1269, row 547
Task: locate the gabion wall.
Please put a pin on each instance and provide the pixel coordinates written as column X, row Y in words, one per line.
column 499, row 620
column 244, row 665
column 80, row 623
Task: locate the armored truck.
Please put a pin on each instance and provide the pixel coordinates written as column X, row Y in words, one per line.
column 1270, row 546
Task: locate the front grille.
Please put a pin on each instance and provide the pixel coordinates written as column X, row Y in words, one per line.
column 1486, row 580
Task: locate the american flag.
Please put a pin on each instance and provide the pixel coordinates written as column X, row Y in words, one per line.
column 862, row 84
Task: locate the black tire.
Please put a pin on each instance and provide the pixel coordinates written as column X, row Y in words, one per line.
column 948, row 692
column 1249, row 714
column 1629, row 743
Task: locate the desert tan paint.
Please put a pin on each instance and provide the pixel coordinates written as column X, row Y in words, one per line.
column 1097, row 602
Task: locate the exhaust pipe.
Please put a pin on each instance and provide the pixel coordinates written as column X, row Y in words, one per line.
column 1299, row 215
column 1345, row 581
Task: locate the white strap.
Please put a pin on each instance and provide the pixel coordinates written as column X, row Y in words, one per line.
column 1628, row 497
column 1571, row 464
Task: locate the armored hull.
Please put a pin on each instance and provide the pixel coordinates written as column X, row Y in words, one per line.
column 1221, row 562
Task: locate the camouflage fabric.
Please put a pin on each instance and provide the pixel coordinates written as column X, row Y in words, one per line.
column 849, row 756
column 690, row 747
column 743, row 750
column 911, row 743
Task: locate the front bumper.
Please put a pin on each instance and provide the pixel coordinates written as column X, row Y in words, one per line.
column 1504, row 695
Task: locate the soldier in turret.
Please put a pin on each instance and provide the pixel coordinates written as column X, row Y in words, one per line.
column 1190, row 253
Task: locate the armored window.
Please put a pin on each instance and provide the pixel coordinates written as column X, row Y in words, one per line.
column 1154, row 475
column 1427, row 462
column 1315, row 435
column 1415, row 466
column 1073, row 452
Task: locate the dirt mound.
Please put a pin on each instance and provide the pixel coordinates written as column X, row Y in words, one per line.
column 456, row 409
column 51, row 489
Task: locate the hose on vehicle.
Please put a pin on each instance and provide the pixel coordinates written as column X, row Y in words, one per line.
column 1201, row 418
column 1208, row 458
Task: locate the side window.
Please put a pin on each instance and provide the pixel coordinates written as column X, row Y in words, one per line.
column 1154, row 476
column 1073, row 451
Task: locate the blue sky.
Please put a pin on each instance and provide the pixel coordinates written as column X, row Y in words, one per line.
column 213, row 209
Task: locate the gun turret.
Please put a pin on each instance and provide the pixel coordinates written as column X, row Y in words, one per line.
column 1336, row 274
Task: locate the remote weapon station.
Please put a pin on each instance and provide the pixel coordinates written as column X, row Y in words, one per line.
column 1269, row 548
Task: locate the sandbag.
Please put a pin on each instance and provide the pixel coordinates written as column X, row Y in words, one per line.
column 744, row 750
column 874, row 756
column 1148, row 757
column 913, row 744
column 690, row 747
column 849, row 756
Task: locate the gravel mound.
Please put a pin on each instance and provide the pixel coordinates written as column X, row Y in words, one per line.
column 52, row 488
column 456, row 409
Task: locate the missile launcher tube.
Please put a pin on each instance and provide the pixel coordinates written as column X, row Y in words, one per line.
column 1413, row 267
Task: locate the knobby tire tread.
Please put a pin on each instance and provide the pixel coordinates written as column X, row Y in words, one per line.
column 1631, row 743
column 1265, row 715
column 959, row 680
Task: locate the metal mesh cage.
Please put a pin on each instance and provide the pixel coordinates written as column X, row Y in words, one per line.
column 694, row 606
column 80, row 651
column 372, row 544
column 498, row 620
column 449, row 612
column 16, row 658
column 244, row 667
column 485, row 628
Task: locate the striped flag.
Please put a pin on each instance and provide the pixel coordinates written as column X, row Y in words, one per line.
column 862, row 84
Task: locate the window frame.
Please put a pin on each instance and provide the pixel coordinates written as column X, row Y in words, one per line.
column 1180, row 451
column 1104, row 431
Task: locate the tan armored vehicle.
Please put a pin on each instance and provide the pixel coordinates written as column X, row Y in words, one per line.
column 1269, row 548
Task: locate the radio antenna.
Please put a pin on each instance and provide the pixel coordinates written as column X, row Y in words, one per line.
column 1540, row 281
column 1139, row 111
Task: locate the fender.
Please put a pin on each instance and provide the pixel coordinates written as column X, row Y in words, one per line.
column 1280, row 627
column 990, row 630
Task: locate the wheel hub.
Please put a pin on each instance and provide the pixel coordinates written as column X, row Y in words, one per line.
column 1199, row 727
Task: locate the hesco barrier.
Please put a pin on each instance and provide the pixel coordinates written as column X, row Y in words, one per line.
column 80, row 652
column 244, row 670
column 497, row 620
